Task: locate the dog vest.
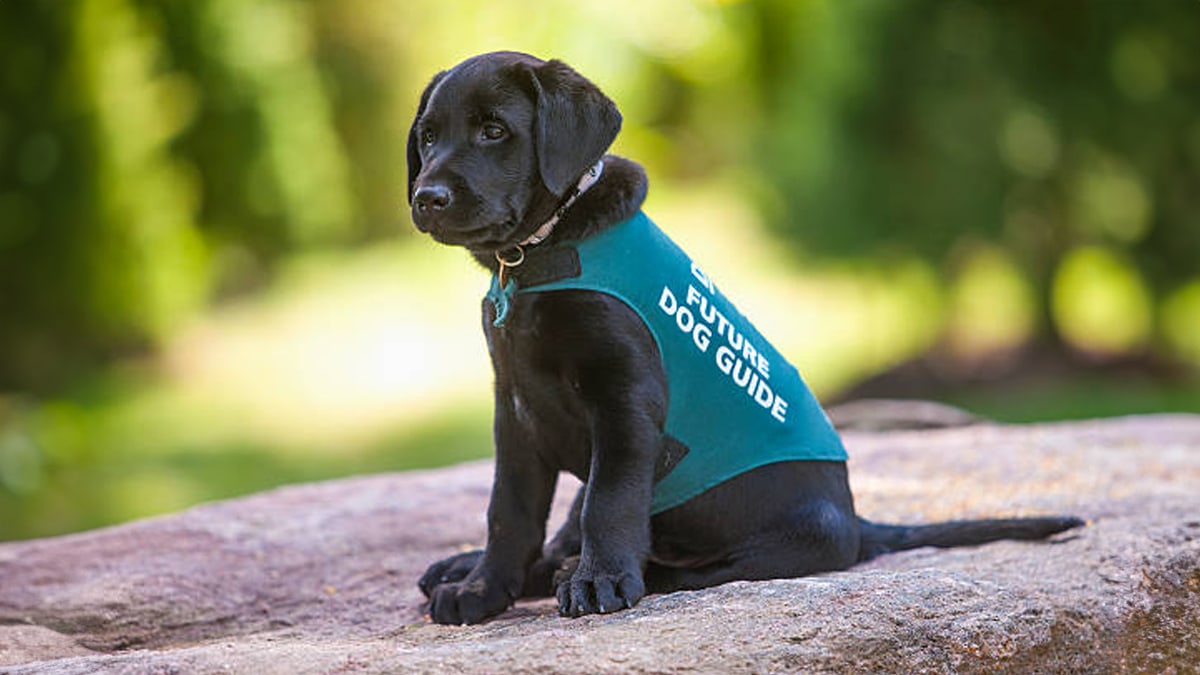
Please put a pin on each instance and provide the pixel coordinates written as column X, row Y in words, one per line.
column 735, row 403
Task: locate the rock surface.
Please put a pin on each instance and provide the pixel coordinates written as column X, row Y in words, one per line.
column 321, row 578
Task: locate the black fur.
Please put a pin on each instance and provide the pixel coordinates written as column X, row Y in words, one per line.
column 496, row 144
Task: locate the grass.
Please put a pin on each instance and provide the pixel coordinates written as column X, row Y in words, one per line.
column 120, row 474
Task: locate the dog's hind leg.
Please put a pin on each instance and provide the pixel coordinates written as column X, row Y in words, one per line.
column 450, row 570
column 565, row 544
column 819, row 537
column 539, row 582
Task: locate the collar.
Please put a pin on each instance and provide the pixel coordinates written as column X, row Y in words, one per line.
column 556, row 263
column 587, row 180
column 513, row 256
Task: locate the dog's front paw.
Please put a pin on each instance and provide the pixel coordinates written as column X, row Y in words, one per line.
column 599, row 591
column 469, row 601
column 449, row 570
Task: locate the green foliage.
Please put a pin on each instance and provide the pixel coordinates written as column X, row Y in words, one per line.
column 915, row 127
column 156, row 156
column 151, row 156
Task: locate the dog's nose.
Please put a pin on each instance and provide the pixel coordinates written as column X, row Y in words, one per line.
column 431, row 197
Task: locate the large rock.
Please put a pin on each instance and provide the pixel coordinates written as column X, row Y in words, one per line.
column 322, row 578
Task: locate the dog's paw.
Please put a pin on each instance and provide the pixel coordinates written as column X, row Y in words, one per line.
column 452, row 569
column 565, row 570
column 600, row 592
column 466, row 602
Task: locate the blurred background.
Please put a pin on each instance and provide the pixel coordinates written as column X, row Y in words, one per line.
column 210, row 285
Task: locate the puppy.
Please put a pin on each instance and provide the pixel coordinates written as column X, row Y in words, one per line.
column 704, row 457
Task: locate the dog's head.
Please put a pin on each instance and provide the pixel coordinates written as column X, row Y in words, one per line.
column 497, row 143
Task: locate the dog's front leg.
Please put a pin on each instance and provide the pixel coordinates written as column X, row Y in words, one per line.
column 520, row 503
column 615, row 519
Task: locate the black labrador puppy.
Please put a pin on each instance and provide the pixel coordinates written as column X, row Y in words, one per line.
column 506, row 158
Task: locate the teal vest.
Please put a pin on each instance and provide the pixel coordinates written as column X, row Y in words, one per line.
column 734, row 402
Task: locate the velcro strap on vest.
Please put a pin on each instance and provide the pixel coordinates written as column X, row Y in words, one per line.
column 673, row 452
column 547, row 265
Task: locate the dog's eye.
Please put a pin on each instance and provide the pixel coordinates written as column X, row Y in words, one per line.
column 428, row 137
column 493, row 131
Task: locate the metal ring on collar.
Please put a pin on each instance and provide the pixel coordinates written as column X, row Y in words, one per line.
column 520, row 257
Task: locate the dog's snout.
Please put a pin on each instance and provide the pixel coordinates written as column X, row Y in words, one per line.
column 431, row 198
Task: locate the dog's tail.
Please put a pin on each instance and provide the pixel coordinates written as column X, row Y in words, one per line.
column 878, row 539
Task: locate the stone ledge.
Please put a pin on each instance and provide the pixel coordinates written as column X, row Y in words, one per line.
column 321, row 577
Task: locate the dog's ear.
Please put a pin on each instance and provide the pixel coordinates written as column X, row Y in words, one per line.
column 575, row 124
column 414, row 143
